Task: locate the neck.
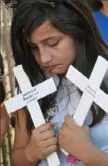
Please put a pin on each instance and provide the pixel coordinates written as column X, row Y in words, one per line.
column 105, row 10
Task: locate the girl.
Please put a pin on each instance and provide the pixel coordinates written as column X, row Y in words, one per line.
column 4, row 119
column 47, row 37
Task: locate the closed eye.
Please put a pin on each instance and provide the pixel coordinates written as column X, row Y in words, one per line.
column 53, row 44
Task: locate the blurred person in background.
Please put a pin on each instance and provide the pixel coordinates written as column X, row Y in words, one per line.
column 4, row 119
column 100, row 12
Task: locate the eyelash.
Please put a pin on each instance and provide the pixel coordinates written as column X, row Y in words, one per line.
column 53, row 45
column 34, row 48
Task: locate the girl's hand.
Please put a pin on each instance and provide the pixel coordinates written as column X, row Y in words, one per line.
column 74, row 139
column 42, row 143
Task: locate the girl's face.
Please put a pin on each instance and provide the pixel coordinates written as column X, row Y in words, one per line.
column 54, row 51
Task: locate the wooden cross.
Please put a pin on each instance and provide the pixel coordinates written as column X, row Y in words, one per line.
column 90, row 88
column 29, row 98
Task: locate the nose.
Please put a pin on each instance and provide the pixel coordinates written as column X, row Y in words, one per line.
column 45, row 56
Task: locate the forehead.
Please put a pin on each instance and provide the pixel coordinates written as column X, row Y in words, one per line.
column 44, row 31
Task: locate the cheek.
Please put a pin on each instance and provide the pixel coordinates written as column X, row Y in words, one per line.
column 37, row 58
column 68, row 55
column 68, row 51
column 71, row 55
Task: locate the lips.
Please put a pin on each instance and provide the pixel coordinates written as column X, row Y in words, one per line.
column 49, row 68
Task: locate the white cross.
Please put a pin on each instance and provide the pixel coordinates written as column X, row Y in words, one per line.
column 90, row 88
column 29, row 98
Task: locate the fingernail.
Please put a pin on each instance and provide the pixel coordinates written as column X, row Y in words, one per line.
column 52, row 123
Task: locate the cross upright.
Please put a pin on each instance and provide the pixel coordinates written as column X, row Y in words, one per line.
column 90, row 88
column 29, row 98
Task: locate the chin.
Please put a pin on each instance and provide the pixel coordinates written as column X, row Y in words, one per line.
column 59, row 72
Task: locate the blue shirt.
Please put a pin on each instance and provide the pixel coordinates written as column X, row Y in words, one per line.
column 102, row 23
column 67, row 102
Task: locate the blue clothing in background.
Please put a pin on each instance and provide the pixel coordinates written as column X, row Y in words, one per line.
column 102, row 23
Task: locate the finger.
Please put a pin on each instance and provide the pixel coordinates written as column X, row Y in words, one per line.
column 47, row 135
column 85, row 128
column 51, row 149
column 45, row 127
column 67, row 118
column 60, row 130
column 64, row 126
column 51, row 142
column 69, row 121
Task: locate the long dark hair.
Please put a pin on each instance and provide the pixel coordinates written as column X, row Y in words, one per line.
column 95, row 4
column 2, row 91
column 71, row 17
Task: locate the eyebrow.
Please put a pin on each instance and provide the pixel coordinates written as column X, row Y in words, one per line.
column 44, row 40
column 49, row 38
